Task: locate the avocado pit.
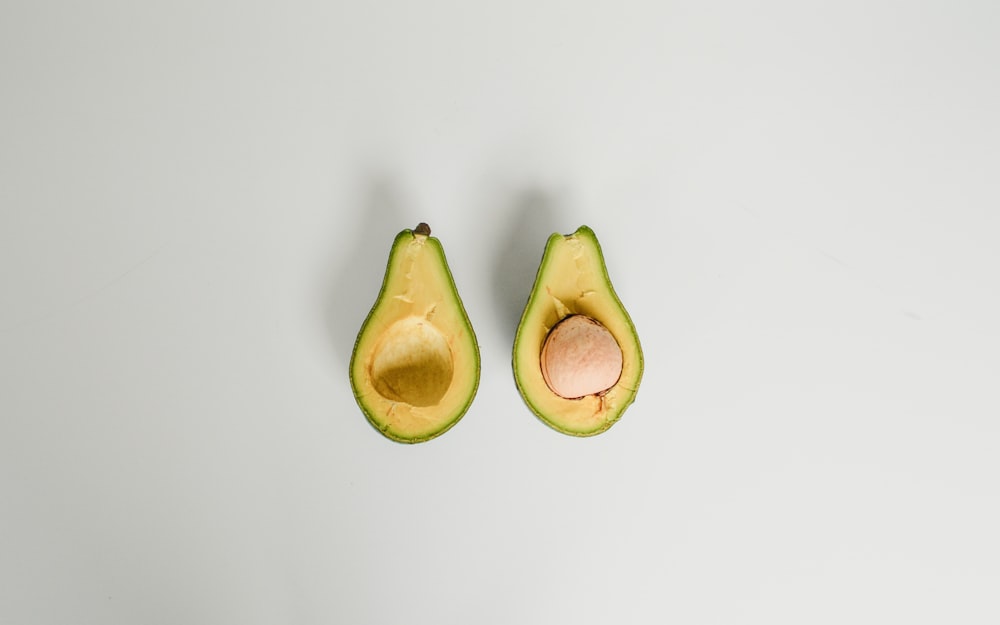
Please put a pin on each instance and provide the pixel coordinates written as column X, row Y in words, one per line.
column 580, row 357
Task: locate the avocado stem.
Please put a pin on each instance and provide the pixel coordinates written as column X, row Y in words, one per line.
column 423, row 229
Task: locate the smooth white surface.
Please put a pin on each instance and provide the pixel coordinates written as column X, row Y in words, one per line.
column 798, row 204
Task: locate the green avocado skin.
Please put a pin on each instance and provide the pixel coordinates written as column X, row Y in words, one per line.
column 566, row 261
column 359, row 386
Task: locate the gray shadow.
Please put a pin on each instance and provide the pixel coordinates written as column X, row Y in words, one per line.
column 351, row 293
column 533, row 219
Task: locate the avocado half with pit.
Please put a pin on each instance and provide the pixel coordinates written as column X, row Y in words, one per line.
column 577, row 359
column 415, row 366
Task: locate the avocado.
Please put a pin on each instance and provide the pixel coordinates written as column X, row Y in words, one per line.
column 415, row 365
column 577, row 359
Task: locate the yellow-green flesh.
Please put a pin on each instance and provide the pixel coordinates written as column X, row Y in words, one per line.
column 415, row 367
column 572, row 279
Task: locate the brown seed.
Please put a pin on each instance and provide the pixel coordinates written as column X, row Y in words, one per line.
column 580, row 357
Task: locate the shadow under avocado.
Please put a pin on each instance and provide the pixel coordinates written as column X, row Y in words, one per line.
column 532, row 219
column 351, row 293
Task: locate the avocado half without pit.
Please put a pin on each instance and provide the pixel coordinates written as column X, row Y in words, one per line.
column 577, row 360
column 415, row 366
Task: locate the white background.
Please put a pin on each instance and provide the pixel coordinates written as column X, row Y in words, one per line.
column 798, row 204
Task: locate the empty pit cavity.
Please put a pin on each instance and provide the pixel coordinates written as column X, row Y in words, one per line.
column 412, row 363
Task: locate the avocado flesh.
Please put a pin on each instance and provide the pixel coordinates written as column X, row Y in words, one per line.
column 573, row 280
column 415, row 366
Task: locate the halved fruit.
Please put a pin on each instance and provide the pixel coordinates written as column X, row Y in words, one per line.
column 577, row 359
column 415, row 366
